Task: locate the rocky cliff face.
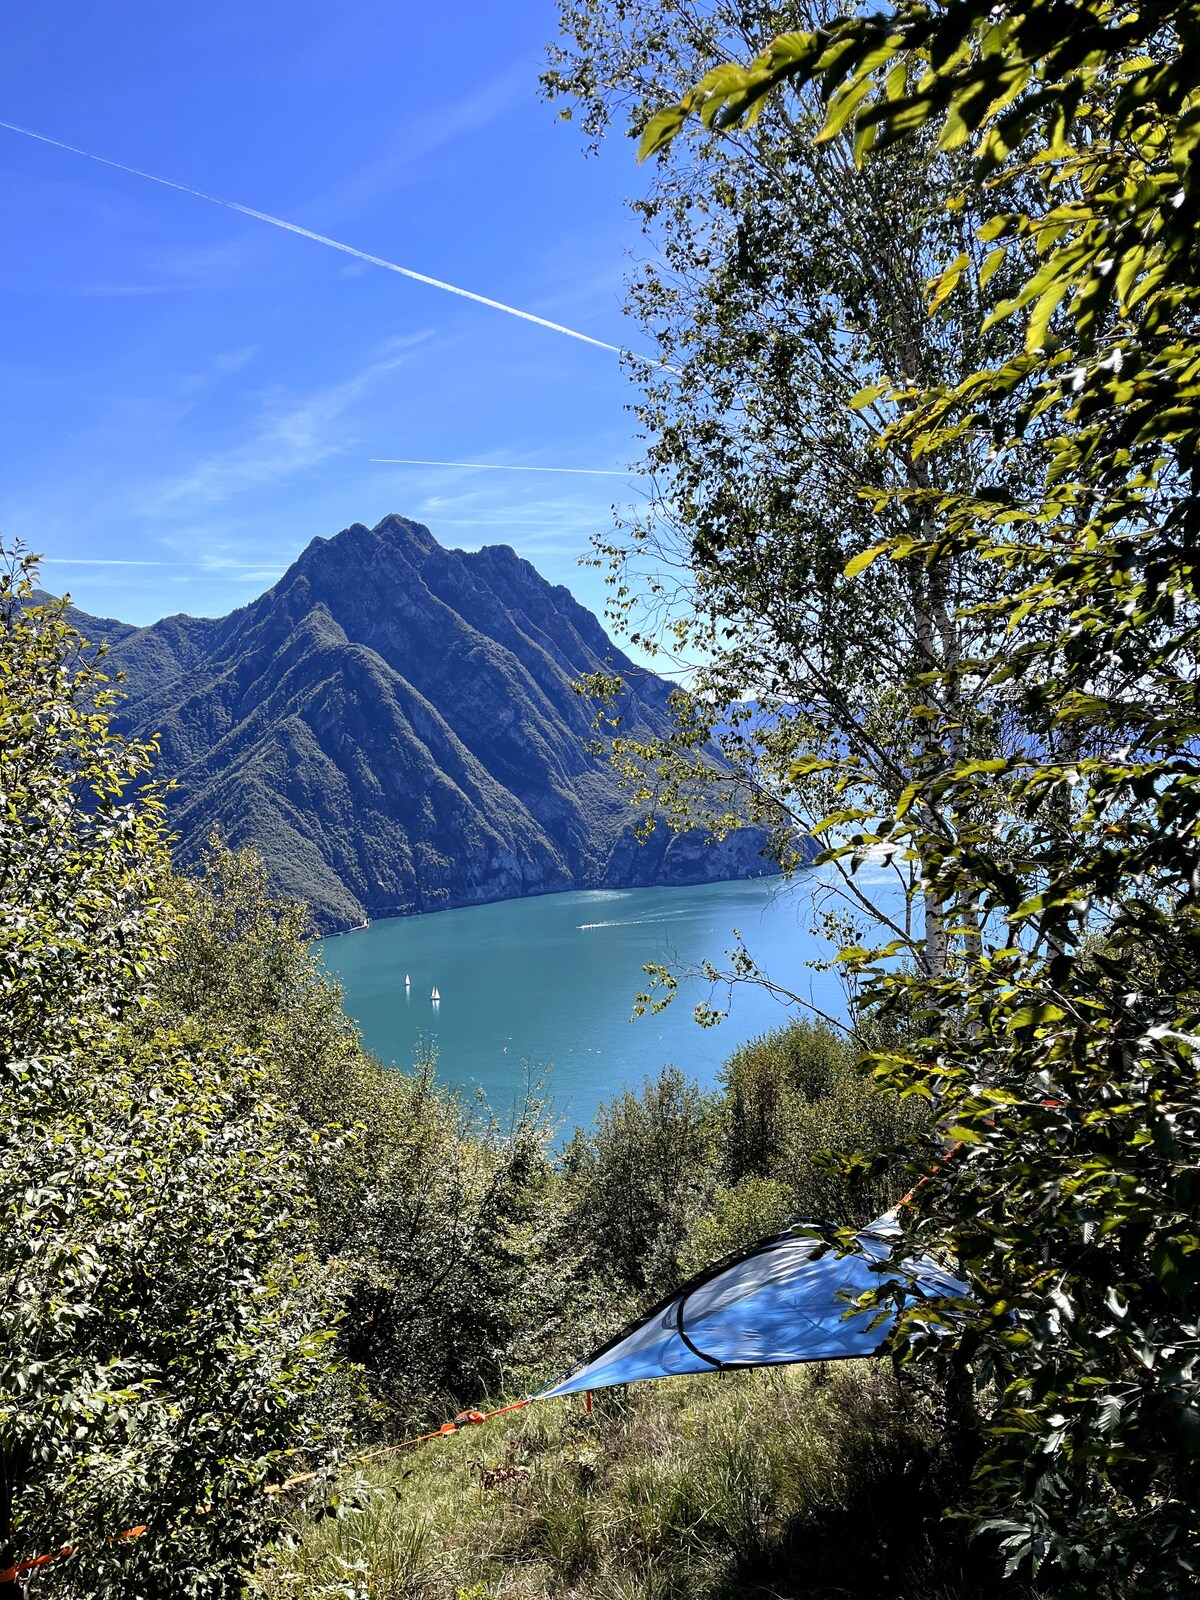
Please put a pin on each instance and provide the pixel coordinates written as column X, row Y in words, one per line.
column 393, row 727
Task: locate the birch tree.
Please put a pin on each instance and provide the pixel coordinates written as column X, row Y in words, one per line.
column 785, row 290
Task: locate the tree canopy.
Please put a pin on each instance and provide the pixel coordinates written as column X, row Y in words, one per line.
column 161, row 1335
column 786, row 290
column 1049, row 808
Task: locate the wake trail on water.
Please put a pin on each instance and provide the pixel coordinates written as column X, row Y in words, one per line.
column 632, row 922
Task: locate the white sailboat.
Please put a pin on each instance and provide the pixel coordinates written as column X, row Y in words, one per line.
column 435, row 995
column 407, row 981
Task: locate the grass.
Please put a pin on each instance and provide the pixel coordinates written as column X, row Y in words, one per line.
column 824, row 1483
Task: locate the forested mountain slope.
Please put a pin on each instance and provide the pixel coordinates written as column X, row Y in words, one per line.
column 393, row 727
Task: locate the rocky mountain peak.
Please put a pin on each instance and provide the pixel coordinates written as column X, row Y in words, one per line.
column 394, row 727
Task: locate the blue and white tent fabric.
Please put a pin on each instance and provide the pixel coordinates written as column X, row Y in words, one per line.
column 785, row 1300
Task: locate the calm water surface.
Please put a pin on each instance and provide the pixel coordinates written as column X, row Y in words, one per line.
column 551, row 982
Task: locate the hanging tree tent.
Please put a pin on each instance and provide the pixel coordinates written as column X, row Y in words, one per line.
column 785, row 1300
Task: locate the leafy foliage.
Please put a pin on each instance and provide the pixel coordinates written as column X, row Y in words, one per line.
column 796, row 1096
column 160, row 1334
column 437, row 1245
column 786, row 292
column 79, row 856
column 640, row 1180
column 671, row 1179
column 1060, row 1043
column 162, row 1337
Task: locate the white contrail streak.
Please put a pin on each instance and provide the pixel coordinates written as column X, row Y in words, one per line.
column 104, row 561
column 496, row 466
column 320, row 238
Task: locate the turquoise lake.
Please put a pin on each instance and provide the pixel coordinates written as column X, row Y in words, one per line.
column 551, row 982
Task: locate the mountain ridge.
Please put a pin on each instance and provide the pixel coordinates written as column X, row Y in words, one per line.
column 393, row 725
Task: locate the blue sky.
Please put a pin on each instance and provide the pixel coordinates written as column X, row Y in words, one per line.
column 190, row 395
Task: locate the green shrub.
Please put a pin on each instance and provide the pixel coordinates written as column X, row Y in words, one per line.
column 166, row 1334
column 436, row 1225
column 640, row 1180
column 765, row 1081
column 799, row 1112
column 161, row 1331
column 737, row 1218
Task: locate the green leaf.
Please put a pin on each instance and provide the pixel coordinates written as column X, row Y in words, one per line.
column 863, row 560
column 1032, row 1016
column 661, row 130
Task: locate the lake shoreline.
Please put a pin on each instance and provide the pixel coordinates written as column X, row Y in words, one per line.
column 535, row 892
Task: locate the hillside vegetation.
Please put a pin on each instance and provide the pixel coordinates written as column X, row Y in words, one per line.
column 244, row 1249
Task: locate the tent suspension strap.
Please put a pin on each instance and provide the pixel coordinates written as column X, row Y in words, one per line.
column 694, row 1348
column 11, row 1574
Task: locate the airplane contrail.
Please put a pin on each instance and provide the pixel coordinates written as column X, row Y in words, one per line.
column 321, row 238
column 105, row 561
column 496, row 466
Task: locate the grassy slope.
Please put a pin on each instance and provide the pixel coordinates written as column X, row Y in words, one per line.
column 819, row 1482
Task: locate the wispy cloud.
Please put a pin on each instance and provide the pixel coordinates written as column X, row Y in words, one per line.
column 555, row 525
column 104, row 561
column 235, row 360
column 298, row 437
column 411, row 150
column 113, row 291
